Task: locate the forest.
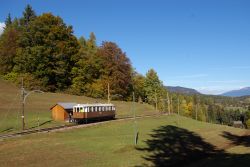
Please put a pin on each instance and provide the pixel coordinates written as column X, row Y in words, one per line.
column 43, row 50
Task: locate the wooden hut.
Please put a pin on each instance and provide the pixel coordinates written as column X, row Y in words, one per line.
column 61, row 111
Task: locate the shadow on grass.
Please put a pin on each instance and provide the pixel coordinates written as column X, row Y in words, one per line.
column 172, row 146
column 41, row 124
column 238, row 140
column 7, row 130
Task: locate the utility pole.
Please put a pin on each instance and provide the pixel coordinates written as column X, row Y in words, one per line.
column 22, row 91
column 135, row 127
column 196, row 108
column 108, row 94
column 178, row 106
column 196, row 112
column 156, row 101
column 24, row 96
column 168, row 104
column 171, row 105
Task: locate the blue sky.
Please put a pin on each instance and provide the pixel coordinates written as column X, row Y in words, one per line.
column 201, row 44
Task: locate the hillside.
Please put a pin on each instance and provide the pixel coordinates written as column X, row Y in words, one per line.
column 162, row 141
column 178, row 89
column 37, row 107
column 237, row 93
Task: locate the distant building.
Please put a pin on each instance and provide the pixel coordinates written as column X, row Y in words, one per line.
column 62, row 111
column 238, row 124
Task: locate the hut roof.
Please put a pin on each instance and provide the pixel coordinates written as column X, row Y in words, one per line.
column 66, row 106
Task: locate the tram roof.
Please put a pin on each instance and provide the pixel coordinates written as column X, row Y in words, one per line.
column 94, row 105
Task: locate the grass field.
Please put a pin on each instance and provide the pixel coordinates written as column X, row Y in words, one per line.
column 37, row 107
column 163, row 141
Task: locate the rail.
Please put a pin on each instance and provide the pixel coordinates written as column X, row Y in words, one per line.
column 65, row 127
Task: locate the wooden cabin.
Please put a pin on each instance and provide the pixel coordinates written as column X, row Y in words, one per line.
column 62, row 111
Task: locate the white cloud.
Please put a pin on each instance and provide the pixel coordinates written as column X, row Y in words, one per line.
column 2, row 25
column 216, row 90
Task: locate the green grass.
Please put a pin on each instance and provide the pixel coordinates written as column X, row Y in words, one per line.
column 165, row 138
column 38, row 106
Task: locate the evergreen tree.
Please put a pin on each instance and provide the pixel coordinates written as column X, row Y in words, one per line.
column 138, row 81
column 28, row 15
column 87, row 68
column 152, row 86
column 8, row 21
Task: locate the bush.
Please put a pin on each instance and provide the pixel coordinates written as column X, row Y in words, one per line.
column 12, row 76
column 248, row 123
column 29, row 81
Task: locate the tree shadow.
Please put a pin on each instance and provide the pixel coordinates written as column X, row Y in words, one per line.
column 41, row 124
column 7, row 130
column 173, row 146
column 238, row 140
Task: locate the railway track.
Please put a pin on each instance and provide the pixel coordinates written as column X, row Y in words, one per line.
column 66, row 127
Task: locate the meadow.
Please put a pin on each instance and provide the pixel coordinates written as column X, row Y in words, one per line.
column 37, row 107
column 162, row 141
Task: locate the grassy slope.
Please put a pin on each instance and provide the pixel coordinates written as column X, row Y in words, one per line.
column 174, row 139
column 38, row 106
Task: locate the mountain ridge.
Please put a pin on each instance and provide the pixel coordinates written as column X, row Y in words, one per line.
column 184, row 90
column 237, row 93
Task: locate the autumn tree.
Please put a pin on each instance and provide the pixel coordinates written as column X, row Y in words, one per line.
column 8, row 46
column 116, row 70
column 138, row 82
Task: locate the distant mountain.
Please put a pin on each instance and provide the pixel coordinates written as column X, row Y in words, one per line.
column 178, row 89
column 237, row 93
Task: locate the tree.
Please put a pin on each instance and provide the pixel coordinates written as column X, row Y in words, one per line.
column 28, row 15
column 138, row 81
column 152, row 86
column 155, row 91
column 116, row 70
column 8, row 21
column 8, row 48
column 87, row 68
column 47, row 48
